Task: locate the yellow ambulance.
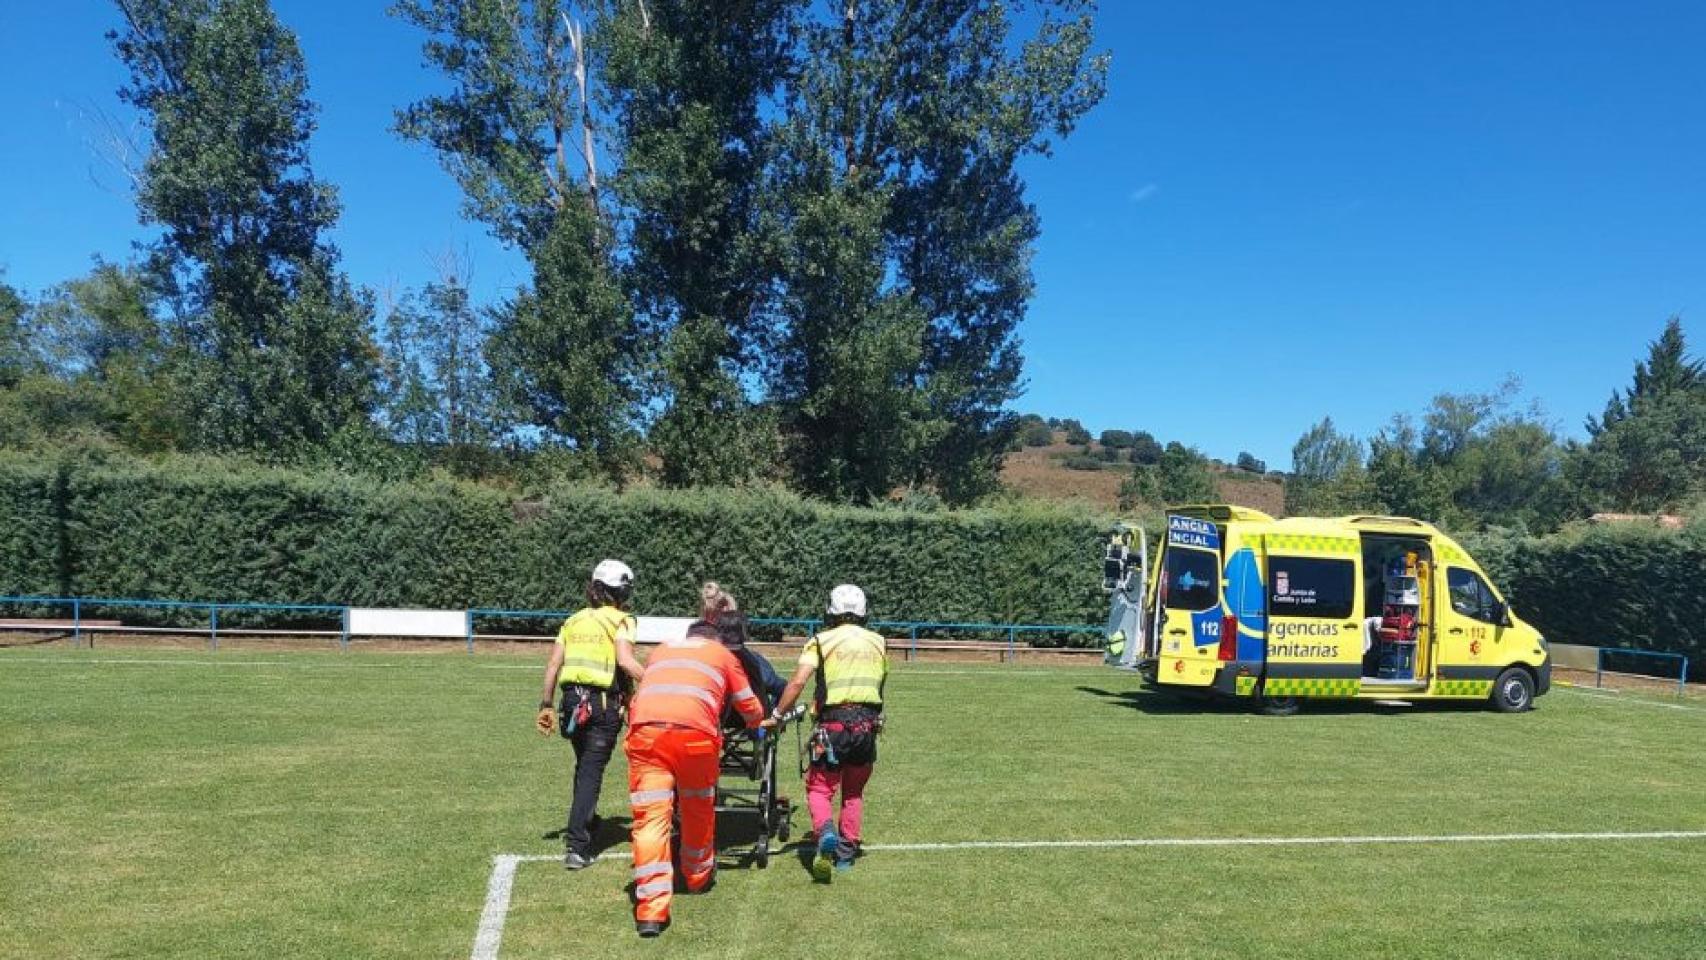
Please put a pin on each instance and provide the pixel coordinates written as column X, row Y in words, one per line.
column 1366, row 607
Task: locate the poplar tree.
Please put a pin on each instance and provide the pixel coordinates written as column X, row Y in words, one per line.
column 279, row 339
column 518, row 131
column 908, row 235
column 688, row 82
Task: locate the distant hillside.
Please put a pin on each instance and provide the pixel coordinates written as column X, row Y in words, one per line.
column 1041, row 472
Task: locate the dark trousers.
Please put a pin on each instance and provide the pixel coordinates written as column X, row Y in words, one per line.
column 594, row 741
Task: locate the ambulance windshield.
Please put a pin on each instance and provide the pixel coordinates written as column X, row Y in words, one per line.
column 1193, row 582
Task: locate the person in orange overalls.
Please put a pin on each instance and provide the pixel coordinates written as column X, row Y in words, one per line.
column 674, row 746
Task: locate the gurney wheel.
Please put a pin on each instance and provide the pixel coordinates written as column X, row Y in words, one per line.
column 761, row 853
column 784, row 826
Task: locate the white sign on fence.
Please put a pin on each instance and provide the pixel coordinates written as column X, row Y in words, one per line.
column 407, row 623
column 659, row 629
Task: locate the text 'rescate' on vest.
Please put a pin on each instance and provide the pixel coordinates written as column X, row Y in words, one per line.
column 588, row 640
column 851, row 663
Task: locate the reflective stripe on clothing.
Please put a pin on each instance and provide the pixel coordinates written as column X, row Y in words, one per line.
column 686, row 684
column 588, row 640
column 694, row 665
column 677, row 689
column 666, row 763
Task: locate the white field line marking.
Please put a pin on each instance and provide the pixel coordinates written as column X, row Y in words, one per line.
column 1282, row 841
column 185, row 662
column 163, row 662
column 490, row 933
column 1636, row 701
column 994, row 672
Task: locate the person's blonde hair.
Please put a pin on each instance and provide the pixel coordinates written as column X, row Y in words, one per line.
column 714, row 601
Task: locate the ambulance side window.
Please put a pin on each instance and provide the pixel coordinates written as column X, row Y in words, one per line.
column 1193, row 579
column 1470, row 595
column 1311, row 587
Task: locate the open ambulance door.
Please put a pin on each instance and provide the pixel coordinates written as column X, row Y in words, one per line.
column 1188, row 607
column 1125, row 573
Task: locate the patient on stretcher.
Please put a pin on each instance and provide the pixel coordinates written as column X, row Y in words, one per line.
column 720, row 616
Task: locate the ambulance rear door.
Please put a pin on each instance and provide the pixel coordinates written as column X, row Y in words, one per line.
column 1189, row 618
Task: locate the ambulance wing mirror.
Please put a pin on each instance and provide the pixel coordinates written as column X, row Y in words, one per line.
column 1502, row 614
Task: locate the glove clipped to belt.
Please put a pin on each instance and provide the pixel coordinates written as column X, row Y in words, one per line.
column 546, row 721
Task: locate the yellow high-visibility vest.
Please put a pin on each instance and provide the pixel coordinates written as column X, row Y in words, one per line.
column 853, row 664
column 588, row 640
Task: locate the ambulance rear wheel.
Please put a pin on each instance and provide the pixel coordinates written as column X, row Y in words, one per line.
column 1277, row 706
column 1513, row 692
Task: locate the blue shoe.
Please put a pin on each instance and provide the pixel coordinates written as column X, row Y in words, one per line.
column 825, row 860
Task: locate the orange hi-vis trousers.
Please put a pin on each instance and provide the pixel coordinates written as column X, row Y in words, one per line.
column 667, row 763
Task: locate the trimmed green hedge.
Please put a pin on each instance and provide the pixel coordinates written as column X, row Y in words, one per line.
column 31, row 552
column 1614, row 586
column 205, row 530
column 208, row 530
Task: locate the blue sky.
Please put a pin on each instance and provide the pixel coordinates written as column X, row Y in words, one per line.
column 1294, row 209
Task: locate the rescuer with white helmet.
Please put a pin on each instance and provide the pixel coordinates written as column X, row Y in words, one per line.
column 592, row 665
column 851, row 666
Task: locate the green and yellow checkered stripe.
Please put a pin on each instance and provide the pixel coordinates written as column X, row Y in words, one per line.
column 1308, row 543
column 1462, row 688
column 1450, row 553
column 1246, row 686
column 1311, row 687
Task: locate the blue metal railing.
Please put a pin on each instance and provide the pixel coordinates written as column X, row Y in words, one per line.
column 1012, row 630
column 79, row 606
column 1681, row 674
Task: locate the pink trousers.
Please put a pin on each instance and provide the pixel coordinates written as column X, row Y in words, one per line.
column 821, row 785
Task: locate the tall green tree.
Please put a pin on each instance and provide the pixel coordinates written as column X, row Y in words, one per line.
column 1474, row 461
column 100, row 337
column 1327, row 474
column 518, row 131
column 687, row 85
column 565, row 355
column 1647, row 450
column 908, row 234
column 437, row 391
column 14, row 352
column 281, row 340
column 1402, row 480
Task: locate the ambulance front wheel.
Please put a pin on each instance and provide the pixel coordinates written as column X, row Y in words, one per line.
column 1513, row 692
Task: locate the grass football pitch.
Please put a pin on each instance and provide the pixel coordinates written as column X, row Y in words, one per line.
column 171, row 804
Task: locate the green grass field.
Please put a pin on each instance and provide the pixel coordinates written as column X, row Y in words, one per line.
column 318, row 805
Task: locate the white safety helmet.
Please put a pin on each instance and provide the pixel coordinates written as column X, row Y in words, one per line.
column 613, row 573
column 846, row 600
